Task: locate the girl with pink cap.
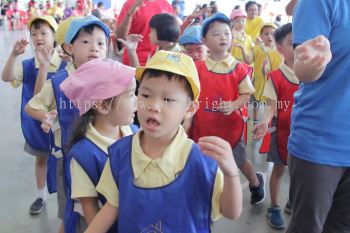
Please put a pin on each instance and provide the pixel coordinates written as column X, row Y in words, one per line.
column 103, row 91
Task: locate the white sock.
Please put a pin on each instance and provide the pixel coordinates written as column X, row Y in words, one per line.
column 42, row 193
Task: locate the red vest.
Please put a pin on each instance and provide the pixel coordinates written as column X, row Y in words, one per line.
column 208, row 121
column 285, row 91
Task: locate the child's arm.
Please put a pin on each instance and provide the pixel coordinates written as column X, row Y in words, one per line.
column 227, row 107
column 44, row 58
column 261, row 128
column 124, row 27
column 231, row 198
column 131, row 43
column 104, row 219
column 311, row 59
column 18, row 49
column 46, row 118
column 90, row 208
column 247, row 59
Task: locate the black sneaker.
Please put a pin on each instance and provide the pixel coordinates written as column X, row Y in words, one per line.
column 258, row 193
column 37, row 206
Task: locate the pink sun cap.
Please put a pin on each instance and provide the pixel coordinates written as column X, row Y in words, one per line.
column 237, row 13
column 98, row 79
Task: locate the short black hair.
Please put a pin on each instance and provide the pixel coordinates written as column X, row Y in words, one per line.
column 152, row 73
column 99, row 4
column 87, row 29
column 166, row 26
column 37, row 25
column 206, row 28
column 250, row 3
column 281, row 32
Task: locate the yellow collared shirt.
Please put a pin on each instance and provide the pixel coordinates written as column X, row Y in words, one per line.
column 226, row 66
column 158, row 172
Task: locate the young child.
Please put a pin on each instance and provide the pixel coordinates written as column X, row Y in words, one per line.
column 192, row 44
column 32, row 73
column 106, row 106
column 84, row 41
column 226, row 88
column 254, row 21
column 279, row 92
column 242, row 44
column 266, row 59
column 159, row 180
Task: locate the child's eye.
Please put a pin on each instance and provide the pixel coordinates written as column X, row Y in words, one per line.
column 168, row 100
column 85, row 41
column 101, row 44
column 145, row 96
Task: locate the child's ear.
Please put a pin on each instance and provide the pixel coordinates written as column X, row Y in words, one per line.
column 279, row 47
column 192, row 108
column 102, row 107
column 68, row 48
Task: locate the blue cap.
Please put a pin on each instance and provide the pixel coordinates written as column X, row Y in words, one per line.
column 217, row 17
column 191, row 35
column 79, row 23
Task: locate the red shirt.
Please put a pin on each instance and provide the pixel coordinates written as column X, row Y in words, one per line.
column 139, row 25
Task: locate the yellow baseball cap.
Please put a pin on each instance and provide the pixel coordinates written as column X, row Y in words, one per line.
column 47, row 18
column 264, row 25
column 176, row 63
column 62, row 30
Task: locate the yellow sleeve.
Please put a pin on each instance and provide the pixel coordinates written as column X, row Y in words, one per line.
column 215, row 201
column 45, row 99
column 246, row 86
column 18, row 75
column 81, row 183
column 107, row 186
column 270, row 91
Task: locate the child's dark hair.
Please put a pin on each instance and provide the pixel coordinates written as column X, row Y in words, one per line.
column 166, row 26
column 88, row 29
column 281, row 32
column 206, row 28
column 81, row 124
column 250, row 3
column 37, row 25
column 152, row 73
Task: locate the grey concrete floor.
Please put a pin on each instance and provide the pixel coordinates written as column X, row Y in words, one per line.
column 17, row 186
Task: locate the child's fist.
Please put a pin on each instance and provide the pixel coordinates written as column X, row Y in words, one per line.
column 47, row 123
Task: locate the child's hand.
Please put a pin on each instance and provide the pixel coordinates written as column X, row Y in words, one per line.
column 19, row 47
column 227, row 107
column 221, row 151
column 131, row 41
column 258, row 41
column 265, row 66
column 43, row 55
column 260, row 130
column 314, row 53
column 47, row 123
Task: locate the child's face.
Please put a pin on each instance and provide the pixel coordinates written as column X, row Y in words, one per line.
column 88, row 46
column 42, row 37
column 162, row 104
column 123, row 107
column 286, row 48
column 239, row 23
column 218, row 38
column 153, row 36
column 267, row 36
column 196, row 51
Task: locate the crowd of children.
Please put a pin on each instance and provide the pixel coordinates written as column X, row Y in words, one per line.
column 180, row 170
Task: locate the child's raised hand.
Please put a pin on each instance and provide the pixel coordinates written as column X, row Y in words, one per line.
column 314, row 53
column 131, row 41
column 260, row 130
column 19, row 47
column 43, row 55
column 220, row 150
column 47, row 123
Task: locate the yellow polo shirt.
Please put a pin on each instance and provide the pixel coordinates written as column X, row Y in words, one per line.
column 158, row 172
column 226, row 66
column 45, row 100
column 270, row 91
column 245, row 41
column 253, row 26
column 81, row 185
column 18, row 71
